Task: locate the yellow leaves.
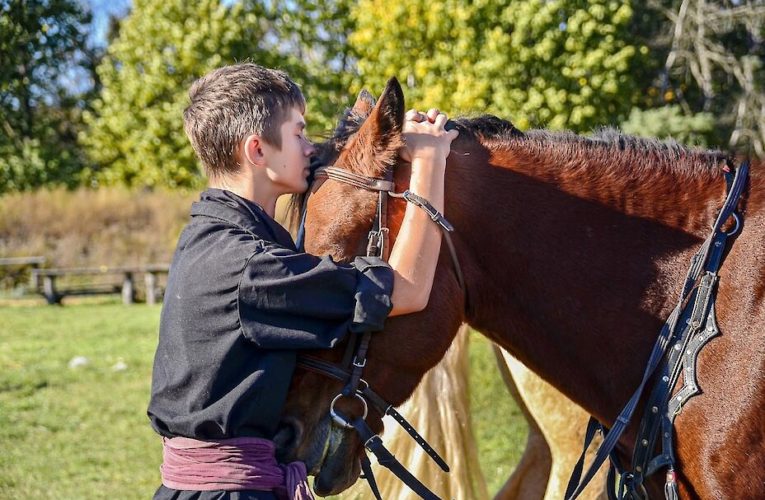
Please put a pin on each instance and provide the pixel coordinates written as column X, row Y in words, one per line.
column 540, row 62
column 623, row 15
column 598, row 12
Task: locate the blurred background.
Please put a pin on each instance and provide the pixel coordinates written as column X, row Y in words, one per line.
column 96, row 174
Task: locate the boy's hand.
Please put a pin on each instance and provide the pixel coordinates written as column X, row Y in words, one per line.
column 426, row 137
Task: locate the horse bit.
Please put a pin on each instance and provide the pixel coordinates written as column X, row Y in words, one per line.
column 355, row 358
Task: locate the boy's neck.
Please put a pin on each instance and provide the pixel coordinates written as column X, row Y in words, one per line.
column 256, row 192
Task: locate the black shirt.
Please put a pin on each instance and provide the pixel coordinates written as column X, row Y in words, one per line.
column 240, row 300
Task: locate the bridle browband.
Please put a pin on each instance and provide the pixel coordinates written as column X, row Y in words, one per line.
column 355, row 358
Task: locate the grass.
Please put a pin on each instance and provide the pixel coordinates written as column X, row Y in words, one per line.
column 498, row 424
column 77, row 433
column 73, row 433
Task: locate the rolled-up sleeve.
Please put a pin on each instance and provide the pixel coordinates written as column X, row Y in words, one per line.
column 292, row 300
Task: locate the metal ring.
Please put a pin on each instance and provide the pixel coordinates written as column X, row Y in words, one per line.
column 736, row 227
column 339, row 419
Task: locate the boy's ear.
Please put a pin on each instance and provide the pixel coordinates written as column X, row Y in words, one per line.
column 251, row 149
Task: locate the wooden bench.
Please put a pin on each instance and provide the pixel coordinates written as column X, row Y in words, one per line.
column 124, row 284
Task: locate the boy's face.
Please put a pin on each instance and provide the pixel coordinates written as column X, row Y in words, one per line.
column 288, row 166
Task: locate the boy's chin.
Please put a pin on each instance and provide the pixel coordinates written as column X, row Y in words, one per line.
column 300, row 189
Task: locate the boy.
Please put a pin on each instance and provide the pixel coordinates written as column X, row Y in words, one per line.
column 241, row 299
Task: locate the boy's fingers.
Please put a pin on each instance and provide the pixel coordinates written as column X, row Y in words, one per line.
column 453, row 134
column 414, row 115
column 432, row 114
column 440, row 120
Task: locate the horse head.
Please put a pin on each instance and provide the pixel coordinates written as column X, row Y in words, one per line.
column 338, row 219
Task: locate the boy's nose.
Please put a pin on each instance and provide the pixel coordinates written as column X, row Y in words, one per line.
column 310, row 149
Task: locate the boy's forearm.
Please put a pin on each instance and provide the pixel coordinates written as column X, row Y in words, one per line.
column 415, row 253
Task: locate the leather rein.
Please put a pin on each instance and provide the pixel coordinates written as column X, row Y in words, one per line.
column 351, row 368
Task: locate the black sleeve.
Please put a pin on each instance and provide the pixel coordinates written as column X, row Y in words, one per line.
column 291, row 300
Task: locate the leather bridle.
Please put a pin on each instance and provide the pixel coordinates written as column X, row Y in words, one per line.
column 351, row 368
column 378, row 239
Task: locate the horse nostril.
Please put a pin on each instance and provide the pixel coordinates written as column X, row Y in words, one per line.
column 287, row 438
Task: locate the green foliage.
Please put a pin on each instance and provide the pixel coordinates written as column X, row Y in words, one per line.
column 670, row 122
column 560, row 64
column 312, row 39
column 42, row 44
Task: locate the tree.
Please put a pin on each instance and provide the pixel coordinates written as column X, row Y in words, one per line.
column 714, row 64
column 670, row 122
column 42, row 44
column 136, row 129
column 556, row 63
column 312, row 37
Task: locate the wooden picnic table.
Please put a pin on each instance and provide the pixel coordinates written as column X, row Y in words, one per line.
column 125, row 286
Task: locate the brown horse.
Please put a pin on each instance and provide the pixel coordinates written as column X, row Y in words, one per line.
column 574, row 251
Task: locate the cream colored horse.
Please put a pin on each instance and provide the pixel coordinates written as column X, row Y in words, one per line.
column 439, row 409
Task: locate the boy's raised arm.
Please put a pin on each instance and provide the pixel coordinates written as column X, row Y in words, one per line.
column 415, row 254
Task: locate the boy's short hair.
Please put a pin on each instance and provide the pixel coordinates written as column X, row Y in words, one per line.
column 232, row 102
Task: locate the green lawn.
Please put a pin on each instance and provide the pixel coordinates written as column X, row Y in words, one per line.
column 74, row 433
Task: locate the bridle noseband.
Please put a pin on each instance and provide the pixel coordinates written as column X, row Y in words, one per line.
column 354, row 360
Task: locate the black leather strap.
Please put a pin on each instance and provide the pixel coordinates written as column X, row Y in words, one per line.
column 366, row 473
column 385, row 458
column 377, row 402
column 424, row 204
column 388, row 409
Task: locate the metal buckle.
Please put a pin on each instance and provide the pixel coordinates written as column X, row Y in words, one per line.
column 338, row 418
column 374, row 243
column 359, row 365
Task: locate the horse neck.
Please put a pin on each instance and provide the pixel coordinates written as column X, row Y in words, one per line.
column 573, row 260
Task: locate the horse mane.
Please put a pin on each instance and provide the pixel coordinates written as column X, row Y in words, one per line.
column 607, row 146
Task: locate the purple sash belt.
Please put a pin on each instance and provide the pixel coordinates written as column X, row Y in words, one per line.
column 245, row 463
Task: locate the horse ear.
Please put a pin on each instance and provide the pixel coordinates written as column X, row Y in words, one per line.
column 365, row 102
column 374, row 149
column 389, row 111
